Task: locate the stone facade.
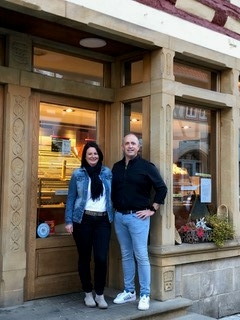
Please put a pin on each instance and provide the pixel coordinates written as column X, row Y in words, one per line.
column 202, row 272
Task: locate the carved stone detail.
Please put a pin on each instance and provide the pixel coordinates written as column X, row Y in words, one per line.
column 168, row 278
column 19, row 53
column 17, row 173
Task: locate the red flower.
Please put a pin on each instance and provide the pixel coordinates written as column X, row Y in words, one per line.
column 185, row 228
column 200, row 232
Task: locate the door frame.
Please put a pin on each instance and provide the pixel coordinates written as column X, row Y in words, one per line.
column 42, row 286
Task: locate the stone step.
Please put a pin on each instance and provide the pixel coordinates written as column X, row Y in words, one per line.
column 193, row 316
column 71, row 306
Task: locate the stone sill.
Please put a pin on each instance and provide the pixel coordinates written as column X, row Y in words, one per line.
column 190, row 253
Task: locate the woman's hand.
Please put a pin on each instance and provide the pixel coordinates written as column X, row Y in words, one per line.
column 69, row 228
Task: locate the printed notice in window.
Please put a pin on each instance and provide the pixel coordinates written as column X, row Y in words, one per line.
column 206, row 190
column 66, row 147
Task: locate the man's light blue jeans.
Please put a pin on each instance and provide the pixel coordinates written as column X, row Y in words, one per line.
column 132, row 234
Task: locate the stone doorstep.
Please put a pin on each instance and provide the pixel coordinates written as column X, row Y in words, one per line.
column 71, row 306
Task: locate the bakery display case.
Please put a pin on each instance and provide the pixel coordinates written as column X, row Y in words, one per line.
column 55, row 167
column 52, row 196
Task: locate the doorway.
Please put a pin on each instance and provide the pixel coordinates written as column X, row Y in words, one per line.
column 62, row 127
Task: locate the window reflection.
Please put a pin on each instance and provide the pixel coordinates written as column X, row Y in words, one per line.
column 132, row 72
column 192, row 162
column 195, row 76
column 58, row 65
column 133, row 119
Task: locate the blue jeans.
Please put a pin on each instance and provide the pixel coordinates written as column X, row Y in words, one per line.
column 132, row 234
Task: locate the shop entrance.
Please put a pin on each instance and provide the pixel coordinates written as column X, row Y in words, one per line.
column 62, row 130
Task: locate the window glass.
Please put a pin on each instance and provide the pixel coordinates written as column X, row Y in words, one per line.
column 195, row 76
column 63, row 131
column 2, row 50
column 59, row 65
column 132, row 72
column 192, row 155
column 133, row 119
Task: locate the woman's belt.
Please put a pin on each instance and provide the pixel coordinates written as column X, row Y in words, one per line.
column 95, row 213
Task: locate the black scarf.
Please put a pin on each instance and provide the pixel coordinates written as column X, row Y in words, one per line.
column 96, row 185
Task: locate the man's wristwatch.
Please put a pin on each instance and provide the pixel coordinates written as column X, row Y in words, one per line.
column 152, row 209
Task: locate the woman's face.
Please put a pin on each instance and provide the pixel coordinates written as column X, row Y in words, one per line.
column 92, row 156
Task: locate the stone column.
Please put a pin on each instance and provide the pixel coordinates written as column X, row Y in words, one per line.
column 228, row 155
column 14, row 178
column 162, row 223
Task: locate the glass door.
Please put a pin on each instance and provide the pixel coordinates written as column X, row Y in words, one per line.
column 61, row 127
column 63, row 132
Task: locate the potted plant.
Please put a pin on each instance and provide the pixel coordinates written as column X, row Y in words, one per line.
column 222, row 230
column 211, row 228
column 197, row 232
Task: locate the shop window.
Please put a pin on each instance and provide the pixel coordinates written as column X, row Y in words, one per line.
column 195, row 76
column 193, row 172
column 133, row 118
column 132, row 72
column 63, row 132
column 59, row 65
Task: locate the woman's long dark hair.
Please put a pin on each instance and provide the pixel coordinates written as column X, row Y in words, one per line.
column 93, row 172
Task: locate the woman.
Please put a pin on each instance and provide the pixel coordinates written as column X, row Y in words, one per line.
column 88, row 217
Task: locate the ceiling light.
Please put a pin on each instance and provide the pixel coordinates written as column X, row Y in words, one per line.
column 68, row 110
column 92, row 43
column 134, row 120
column 186, row 127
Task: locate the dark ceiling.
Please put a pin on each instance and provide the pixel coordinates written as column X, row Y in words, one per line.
column 46, row 29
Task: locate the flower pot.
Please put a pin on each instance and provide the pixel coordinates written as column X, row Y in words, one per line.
column 194, row 236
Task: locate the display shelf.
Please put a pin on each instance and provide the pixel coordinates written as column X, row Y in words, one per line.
column 52, row 197
column 52, row 164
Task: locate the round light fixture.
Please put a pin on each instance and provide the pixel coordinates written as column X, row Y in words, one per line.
column 92, row 43
column 134, row 120
column 68, row 110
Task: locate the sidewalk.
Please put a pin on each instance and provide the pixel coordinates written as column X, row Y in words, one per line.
column 71, row 307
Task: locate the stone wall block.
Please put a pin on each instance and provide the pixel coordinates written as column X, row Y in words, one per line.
column 216, row 282
column 236, row 278
column 191, row 286
column 232, row 306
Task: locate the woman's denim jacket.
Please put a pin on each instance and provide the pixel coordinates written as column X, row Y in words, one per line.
column 77, row 194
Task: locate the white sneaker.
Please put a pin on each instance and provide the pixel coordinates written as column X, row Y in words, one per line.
column 89, row 301
column 143, row 303
column 101, row 302
column 124, row 297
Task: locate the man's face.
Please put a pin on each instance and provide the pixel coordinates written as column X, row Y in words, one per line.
column 130, row 146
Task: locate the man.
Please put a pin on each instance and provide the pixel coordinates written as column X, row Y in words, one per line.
column 133, row 180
